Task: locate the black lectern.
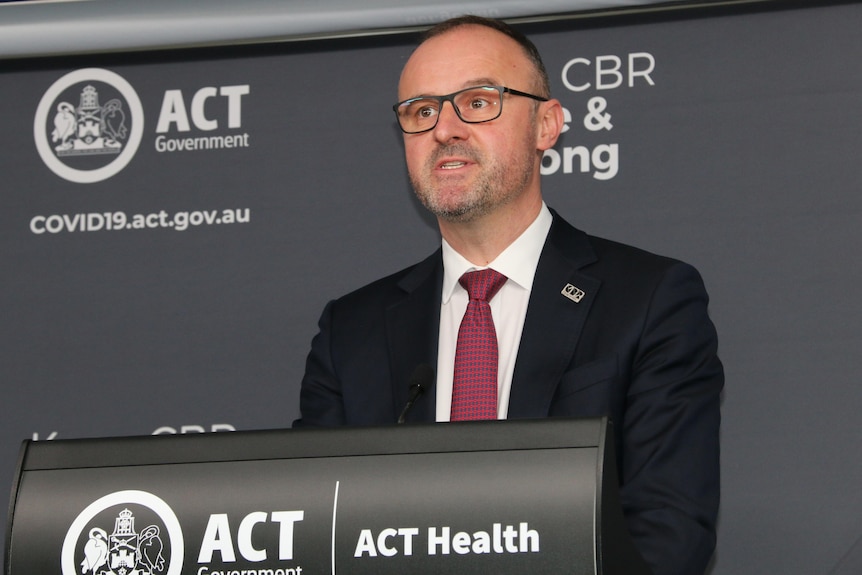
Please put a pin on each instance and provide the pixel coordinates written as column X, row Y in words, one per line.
column 486, row 497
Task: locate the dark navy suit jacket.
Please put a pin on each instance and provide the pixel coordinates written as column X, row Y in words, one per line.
column 639, row 347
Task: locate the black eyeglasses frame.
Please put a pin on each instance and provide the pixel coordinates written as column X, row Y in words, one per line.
column 451, row 99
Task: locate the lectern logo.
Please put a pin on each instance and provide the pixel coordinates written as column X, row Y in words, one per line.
column 88, row 125
column 124, row 533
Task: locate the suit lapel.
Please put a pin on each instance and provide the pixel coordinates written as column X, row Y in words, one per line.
column 554, row 320
column 412, row 326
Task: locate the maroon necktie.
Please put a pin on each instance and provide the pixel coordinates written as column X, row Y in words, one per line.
column 474, row 387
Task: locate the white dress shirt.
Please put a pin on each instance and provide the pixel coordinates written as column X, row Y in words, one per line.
column 517, row 262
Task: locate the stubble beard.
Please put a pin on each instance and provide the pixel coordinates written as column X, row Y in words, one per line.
column 496, row 185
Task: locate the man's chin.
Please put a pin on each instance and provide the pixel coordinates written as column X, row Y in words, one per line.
column 458, row 213
column 452, row 203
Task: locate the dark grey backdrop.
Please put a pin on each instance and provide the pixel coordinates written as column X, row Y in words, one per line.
column 742, row 158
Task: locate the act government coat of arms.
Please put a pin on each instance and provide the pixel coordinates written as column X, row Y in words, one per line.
column 124, row 533
column 88, row 125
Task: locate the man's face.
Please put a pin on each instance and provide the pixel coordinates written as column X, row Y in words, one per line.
column 463, row 171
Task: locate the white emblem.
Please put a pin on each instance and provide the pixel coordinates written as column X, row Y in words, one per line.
column 573, row 293
column 89, row 129
column 125, row 551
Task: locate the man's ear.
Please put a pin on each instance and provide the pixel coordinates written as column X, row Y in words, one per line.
column 549, row 124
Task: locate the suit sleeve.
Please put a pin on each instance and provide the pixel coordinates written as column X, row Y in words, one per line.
column 320, row 399
column 670, row 443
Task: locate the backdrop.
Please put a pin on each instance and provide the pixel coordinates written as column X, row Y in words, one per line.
column 173, row 223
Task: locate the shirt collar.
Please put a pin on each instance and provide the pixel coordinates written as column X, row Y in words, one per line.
column 518, row 261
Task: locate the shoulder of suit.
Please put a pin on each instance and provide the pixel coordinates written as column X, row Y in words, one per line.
column 405, row 279
column 573, row 242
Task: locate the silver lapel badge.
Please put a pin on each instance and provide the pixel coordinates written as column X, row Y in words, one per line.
column 573, row 293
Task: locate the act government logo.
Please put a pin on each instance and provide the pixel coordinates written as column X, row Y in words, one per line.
column 88, row 125
column 124, row 533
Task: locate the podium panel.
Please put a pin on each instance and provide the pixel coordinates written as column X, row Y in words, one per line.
column 488, row 497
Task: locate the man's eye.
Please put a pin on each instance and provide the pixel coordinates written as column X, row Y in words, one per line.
column 426, row 112
column 479, row 103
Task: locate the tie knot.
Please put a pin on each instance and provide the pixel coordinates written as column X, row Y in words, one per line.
column 482, row 284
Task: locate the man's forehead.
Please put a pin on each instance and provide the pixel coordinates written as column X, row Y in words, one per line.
column 466, row 56
column 467, row 38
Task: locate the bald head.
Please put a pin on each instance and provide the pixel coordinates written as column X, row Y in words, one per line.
column 541, row 84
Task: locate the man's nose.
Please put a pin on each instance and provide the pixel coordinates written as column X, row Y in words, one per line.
column 449, row 125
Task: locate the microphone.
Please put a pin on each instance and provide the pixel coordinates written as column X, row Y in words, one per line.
column 422, row 378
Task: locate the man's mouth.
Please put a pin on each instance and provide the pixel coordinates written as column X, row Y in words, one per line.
column 452, row 165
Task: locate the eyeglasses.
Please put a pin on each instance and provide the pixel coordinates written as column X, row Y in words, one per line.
column 473, row 105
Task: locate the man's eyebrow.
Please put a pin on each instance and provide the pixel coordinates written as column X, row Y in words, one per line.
column 480, row 82
column 468, row 84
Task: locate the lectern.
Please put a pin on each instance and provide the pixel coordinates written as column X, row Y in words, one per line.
column 482, row 497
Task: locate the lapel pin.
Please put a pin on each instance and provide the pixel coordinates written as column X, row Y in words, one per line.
column 573, row 293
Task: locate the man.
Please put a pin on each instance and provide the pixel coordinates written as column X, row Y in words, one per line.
column 584, row 326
